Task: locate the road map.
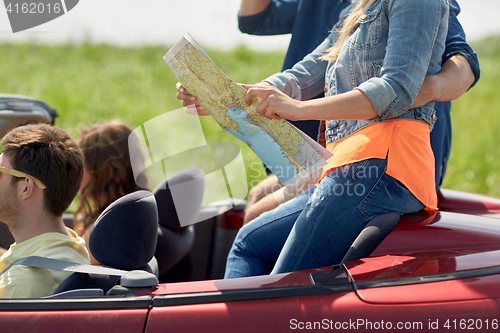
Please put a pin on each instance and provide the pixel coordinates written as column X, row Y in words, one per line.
column 290, row 154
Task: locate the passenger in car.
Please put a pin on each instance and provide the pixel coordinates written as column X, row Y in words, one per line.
column 107, row 175
column 371, row 67
column 41, row 168
column 111, row 151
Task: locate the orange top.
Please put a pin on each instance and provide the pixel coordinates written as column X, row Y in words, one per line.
column 407, row 146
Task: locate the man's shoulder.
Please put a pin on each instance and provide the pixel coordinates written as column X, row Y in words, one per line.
column 22, row 281
column 62, row 247
column 51, row 245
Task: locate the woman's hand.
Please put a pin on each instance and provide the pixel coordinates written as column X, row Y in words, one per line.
column 189, row 101
column 274, row 104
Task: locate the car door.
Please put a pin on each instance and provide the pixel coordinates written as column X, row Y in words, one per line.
column 96, row 315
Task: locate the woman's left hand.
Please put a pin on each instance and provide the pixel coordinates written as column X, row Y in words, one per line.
column 274, row 104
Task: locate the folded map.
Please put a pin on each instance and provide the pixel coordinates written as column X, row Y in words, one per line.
column 289, row 153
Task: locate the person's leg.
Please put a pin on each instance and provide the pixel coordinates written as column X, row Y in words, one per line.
column 265, row 187
column 345, row 200
column 259, row 242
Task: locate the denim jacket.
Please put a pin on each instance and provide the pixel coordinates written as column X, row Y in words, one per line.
column 387, row 63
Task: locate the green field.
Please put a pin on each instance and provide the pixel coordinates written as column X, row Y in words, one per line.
column 474, row 164
column 94, row 83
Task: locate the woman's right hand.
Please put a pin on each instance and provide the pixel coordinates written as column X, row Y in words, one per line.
column 273, row 103
column 189, row 101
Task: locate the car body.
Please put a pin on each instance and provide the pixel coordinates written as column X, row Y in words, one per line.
column 437, row 271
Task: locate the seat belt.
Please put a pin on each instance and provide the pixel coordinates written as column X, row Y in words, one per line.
column 60, row 265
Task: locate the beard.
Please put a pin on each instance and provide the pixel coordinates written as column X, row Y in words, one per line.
column 9, row 207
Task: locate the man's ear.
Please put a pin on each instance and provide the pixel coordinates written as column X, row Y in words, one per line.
column 27, row 186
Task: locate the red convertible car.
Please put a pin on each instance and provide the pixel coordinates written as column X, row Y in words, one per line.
column 421, row 273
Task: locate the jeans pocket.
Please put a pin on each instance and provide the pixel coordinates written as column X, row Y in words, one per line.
column 388, row 195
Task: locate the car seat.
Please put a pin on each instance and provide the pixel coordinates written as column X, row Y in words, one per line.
column 175, row 239
column 371, row 236
column 124, row 236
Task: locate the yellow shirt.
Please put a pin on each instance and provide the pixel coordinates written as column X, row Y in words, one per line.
column 30, row 282
column 405, row 143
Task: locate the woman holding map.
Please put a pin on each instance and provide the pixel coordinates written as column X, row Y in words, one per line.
column 371, row 68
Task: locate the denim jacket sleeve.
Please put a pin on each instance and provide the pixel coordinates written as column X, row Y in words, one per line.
column 277, row 19
column 456, row 44
column 415, row 44
column 306, row 79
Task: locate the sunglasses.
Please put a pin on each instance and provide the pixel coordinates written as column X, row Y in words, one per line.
column 20, row 174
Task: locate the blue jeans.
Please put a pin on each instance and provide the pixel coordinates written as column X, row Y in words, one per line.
column 317, row 227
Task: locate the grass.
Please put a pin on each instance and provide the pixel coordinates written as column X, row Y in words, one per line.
column 474, row 164
column 95, row 83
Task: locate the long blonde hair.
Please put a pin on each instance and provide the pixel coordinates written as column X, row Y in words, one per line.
column 348, row 26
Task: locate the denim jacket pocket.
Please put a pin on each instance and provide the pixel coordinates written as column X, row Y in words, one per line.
column 369, row 30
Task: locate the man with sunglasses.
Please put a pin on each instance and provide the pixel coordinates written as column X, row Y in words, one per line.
column 41, row 168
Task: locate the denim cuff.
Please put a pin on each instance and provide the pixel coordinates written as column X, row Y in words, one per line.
column 286, row 84
column 381, row 95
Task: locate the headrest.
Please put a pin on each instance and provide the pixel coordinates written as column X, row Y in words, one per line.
column 124, row 235
column 188, row 183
